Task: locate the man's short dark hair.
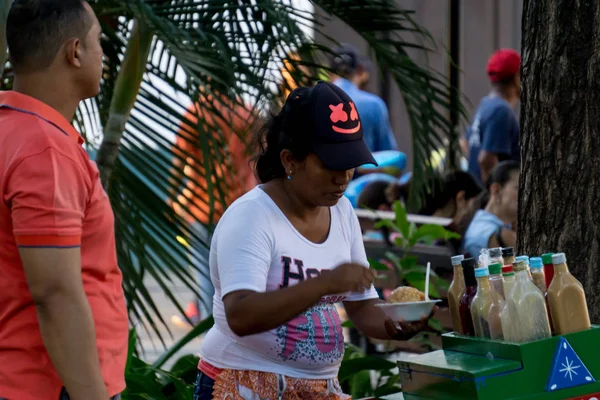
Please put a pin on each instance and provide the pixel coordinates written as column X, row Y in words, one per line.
column 36, row 29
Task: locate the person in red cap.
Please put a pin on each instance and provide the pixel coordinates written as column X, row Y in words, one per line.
column 494, row 133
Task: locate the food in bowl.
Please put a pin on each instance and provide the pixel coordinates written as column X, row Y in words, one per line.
column 406, row 294
column 407, row 304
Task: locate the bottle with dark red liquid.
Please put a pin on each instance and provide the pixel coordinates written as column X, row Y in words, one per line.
column 548, row 268
column 468, row 265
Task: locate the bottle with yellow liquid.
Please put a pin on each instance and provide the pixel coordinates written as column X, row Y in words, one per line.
column 497, row 304
column 508, row 320
column 480, row 307
column 567, row 300
column 530, row 306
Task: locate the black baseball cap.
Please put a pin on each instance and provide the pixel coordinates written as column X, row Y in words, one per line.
column 337, row 129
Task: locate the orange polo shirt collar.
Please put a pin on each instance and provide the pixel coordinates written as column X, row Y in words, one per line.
column 21, row 102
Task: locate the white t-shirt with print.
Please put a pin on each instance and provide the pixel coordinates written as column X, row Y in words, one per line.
column 255, row 247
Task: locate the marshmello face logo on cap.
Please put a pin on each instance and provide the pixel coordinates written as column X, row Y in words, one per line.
column 338, row 114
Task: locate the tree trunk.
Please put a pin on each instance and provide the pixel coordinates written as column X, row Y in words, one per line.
column 125, row 93
column 559, row 194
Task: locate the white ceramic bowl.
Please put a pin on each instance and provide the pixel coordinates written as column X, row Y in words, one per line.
column 409, row 312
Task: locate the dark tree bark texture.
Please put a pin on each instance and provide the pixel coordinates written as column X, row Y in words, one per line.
column 559, row 195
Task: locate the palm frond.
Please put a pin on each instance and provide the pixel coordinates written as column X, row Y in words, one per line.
column 206, row 59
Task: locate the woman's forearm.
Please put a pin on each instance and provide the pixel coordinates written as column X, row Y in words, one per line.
column 368, row 318
column 250, row 313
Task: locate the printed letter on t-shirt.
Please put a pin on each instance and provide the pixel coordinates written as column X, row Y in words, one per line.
column 288, row 274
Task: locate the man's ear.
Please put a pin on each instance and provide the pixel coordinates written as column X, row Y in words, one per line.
column 460, row 196
column 72, row 49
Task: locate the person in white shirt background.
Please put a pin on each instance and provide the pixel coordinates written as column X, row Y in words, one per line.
column 285, row 253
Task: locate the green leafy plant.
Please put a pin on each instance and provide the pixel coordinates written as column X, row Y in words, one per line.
column 355, row 374
column 151, row 381
column 407, row 235
column 147, row 382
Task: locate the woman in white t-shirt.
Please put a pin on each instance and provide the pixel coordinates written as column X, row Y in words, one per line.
column 283, row 254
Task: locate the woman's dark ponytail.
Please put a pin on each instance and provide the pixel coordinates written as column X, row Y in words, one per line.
column 268, row 162
column 284, row 130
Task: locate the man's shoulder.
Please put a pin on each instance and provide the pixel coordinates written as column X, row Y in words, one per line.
column 368, row 102
column 494, row 105
column 29, row 133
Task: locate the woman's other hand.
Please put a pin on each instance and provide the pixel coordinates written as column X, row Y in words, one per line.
column 348, row 277
column 407, row 329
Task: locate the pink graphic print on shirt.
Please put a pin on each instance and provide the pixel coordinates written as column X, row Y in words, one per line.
column 315, row 335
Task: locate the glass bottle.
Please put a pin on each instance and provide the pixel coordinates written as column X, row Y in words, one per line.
column 536, row 267
column 567, row 300
column 496, row 255
column 510, row 329
column 548, row 268
column 530, row 306
column 480, row 306
column 455, row 292
column 549, row 274
column 508, row 255
column 497, row 304
column 495, row 270
column 466, row 321
column 526, row 260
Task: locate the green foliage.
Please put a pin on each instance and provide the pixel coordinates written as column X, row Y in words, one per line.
column 408, row 235
column 356, row 371
column 146, row 382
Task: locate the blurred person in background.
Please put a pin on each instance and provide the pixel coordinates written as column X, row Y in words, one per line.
column 230, row 123
column 492, row 226
column 450, row 196
column 493, row 136
column 351, row 72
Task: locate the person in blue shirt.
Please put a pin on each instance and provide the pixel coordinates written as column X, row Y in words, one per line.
column 494, row 133
column 493, row 225
column 352, row 73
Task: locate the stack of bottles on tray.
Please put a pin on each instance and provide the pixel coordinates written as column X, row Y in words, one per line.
column 516, row 299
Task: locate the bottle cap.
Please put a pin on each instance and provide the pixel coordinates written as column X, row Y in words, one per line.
column 536, row 262
column 468, row 265
column 481, row 272
column 559, row 258
column 456, row 260
column 495, row 268
column 495, row 252
column 523, row 258
column 507, row 269
column 547, row 258
column 519, row 266
column 508, row 251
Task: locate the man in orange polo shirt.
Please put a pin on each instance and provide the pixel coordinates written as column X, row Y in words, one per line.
column 63, row 321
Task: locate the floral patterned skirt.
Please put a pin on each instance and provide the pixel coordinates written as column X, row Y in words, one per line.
column 255, row 385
